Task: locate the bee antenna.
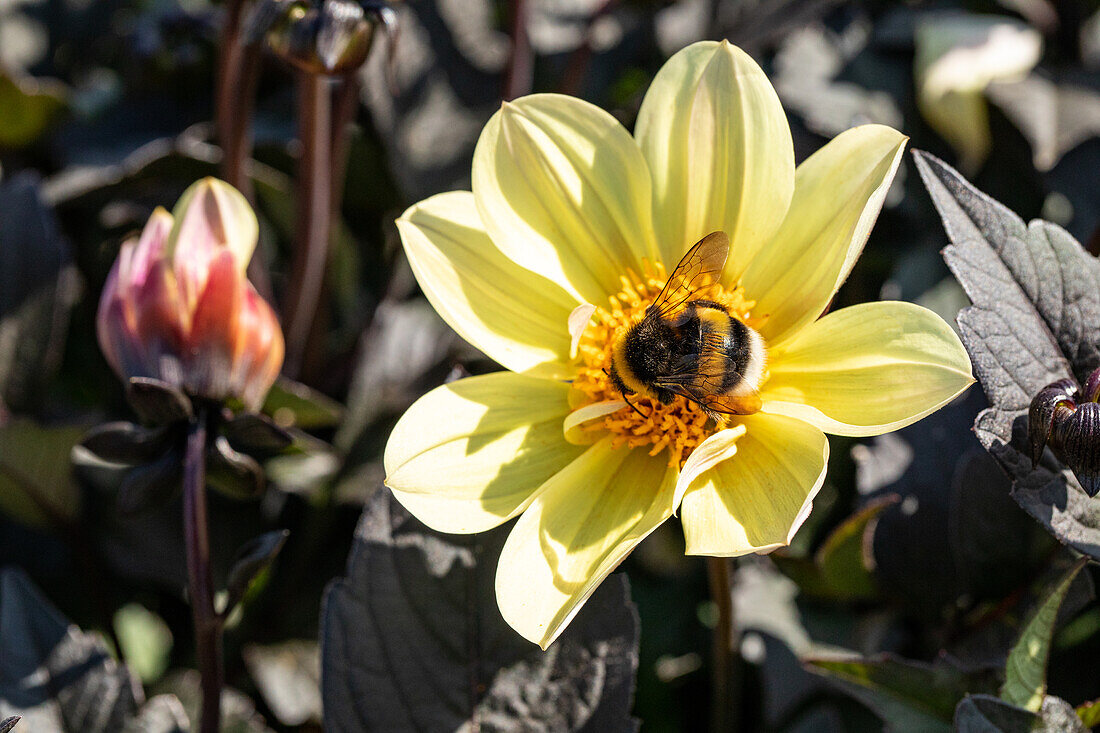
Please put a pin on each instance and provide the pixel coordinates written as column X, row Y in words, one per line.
column 632, row 407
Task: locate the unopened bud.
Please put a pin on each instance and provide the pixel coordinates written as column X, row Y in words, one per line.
column 1079, row 438
column 1040, row 418
column 1068, row 420
column 178, row 315
column 331, row 37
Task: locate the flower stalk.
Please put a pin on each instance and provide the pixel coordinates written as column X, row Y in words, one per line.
column 237, row 77
column 208, row 624
column 723, row 679
column 230, row 102
column 314, row 217
column 521, row 63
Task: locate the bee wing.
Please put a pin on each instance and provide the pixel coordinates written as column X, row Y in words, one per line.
column 741, row 404
column 698, row 270
column 744, row 404
column 702, row 384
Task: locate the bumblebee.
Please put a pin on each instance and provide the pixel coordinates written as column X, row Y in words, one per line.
column 690, row 346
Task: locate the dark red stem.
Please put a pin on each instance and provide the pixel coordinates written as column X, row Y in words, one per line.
column 208, row 625
column 238, row 75
column 229, row 98
column 577, row 65
column 314, row 209
column 723, row 679
column 521, row 65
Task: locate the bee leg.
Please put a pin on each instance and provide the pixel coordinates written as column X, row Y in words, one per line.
column 632, row 407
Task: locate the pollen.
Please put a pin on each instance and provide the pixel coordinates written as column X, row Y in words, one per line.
column 679, row 426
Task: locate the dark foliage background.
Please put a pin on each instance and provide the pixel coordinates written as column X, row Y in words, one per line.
column 916, row 562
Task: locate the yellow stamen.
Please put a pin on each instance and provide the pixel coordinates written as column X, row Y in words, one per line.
column 680, row 425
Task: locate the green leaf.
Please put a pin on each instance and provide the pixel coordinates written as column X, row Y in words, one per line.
column 145, row 639
column 288, row 676
column 907, row 695
column 841, row 568
column 291, row 403
column 27, row 107
column 1025, row 673
column 35, row 485
column 252, row 559
column 987, row 714
column 1089, row 713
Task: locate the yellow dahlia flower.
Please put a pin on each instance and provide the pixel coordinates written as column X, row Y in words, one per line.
column 567, row 208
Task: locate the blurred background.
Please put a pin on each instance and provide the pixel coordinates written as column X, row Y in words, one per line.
column 108, row 109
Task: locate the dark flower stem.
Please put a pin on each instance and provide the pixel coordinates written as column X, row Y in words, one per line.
column 723, row 677
column 238, row 75
column 208, row 625
column 576, row 66
column 314, row 215
column 344, row 109
column 521, row 63
column 230, row 102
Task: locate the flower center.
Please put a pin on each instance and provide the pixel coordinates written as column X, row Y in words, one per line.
column 681, row 425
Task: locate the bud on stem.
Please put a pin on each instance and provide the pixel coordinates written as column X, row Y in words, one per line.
column 1068, row 420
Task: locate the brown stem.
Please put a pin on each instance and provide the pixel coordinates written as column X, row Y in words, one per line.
column 237, row 145
column 314, row 209
column 723, row 680
column 238, row 76
column 345, row 105
column 228, row 96
column 577, row 64
column 208, row 625
column 343, row 114
column 521, row 65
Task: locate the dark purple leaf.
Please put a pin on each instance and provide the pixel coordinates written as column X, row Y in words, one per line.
column 413, row 640
column 1035, row 319
column 57, row 677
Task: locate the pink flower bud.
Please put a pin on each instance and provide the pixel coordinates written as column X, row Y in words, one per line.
column 178, row 307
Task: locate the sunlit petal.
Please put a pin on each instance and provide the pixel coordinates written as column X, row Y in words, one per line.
column 719, row 149
column 839, row 191
column 469, row 455
column 717, row 448
column 210, row 216
column 868, row 369
column 583, row 522
column 756, row 500
column 516, row 317
column 564, row 191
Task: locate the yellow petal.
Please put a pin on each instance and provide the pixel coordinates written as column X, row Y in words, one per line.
column 583, row 522
column 516, row 317
column 712, row 451
column 573, row 427
column 757, row 499
column 838, row 193
column 719, row 149
column 469, row 455
column 868, row 369
column 564, row 191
